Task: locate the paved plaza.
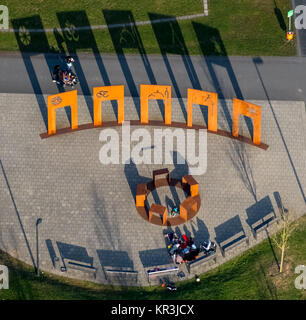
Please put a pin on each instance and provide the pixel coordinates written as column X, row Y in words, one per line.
column 88, row 209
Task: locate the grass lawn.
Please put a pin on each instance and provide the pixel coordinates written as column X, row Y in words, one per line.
column 233, row 27
column 253, row 275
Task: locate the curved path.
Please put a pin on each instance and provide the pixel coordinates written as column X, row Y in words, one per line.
column 88, row 208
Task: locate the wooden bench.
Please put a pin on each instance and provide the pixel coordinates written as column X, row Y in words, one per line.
column 160, row 210
column 164, row 172
column 161, row 272
column 192, row 183
column 203, row 259
column 141, row 194
column 188, row 204
column 233, row 241
column 263, row 223
column 77, row 265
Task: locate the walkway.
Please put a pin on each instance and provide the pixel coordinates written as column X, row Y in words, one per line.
column 87, row 209
column 257, row 78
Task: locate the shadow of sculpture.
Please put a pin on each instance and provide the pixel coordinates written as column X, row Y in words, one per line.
column 77, row 40
column 171, row 41
column 215, row 54
column 125, row 35
column 31, row 44
column 133, row 178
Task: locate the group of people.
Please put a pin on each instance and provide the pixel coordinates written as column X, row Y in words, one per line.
column 183, row 249
column 64, row 76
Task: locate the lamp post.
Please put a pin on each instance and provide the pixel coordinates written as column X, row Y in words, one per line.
column 38, row 221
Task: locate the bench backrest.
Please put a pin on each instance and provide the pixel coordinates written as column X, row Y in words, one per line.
column 82, row 263
column 201, row 260
column 161, row 271
column 231, row 239
column 125, row 272
column 81, row 267
column 266, row 218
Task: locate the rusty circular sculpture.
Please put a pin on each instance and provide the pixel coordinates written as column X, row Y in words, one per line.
column 188, row 208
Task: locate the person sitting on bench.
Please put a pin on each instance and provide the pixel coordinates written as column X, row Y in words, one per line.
column 184, row 241
column 190, row 253
column 174, row 211
column 208, row 247
column 177, row 258
column 172, row 237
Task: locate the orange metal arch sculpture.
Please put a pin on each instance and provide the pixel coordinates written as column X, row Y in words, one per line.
column 209, row 99
column 106, row 94
column 154, row 92
column 62, row 100
column 249, row 110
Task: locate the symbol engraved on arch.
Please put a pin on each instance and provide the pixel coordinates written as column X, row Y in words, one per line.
column 106, row 94
column 102, row 93
column 203, row 98
column 62, row 100
column 56, row 100
column 151, row 91
column 250, row 110
column 155, row 94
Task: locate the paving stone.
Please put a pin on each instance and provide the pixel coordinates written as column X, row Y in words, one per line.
column 90, row 206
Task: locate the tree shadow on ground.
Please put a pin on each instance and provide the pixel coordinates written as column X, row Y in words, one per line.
column 113, row 251
column 241, row 162
column 18, row 216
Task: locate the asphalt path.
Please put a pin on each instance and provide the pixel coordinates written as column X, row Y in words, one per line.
column 257, row 78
